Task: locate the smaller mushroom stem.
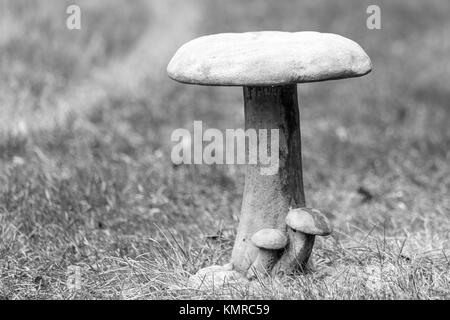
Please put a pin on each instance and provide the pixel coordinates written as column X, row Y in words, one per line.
column 297, row 253
column 263, row 263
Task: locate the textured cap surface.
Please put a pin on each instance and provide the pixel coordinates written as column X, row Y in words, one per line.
column 268, row 58
column 273, row 239
column 309, row 221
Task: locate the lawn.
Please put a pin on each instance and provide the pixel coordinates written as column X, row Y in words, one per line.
column 86, row 178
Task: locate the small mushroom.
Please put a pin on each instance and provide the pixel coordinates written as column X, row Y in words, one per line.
column 269, row 242
column 304, row 225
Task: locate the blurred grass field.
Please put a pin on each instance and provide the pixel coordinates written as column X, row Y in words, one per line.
column 85, row 180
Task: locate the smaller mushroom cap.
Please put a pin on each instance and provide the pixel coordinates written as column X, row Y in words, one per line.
column 272, row 239
column 309, row 221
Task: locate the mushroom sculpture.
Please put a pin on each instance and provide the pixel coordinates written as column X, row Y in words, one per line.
column 268, row 65
column 304, row 224
column 269, row 242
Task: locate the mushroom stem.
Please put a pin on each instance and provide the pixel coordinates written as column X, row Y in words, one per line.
column 297, row 253
column 267, row 198
column 263, row 264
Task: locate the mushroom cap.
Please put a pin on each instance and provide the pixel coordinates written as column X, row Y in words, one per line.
column 309, row 221
column 272, row 239
column 268, row 58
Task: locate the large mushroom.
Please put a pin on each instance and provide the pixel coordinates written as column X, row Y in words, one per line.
column 268, row 65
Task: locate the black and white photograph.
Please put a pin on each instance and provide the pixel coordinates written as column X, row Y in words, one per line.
column 234, row 150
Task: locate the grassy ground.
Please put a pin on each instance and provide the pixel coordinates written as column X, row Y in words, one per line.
column 85, row 179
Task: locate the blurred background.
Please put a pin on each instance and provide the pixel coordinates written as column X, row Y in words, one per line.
column 85, row 173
